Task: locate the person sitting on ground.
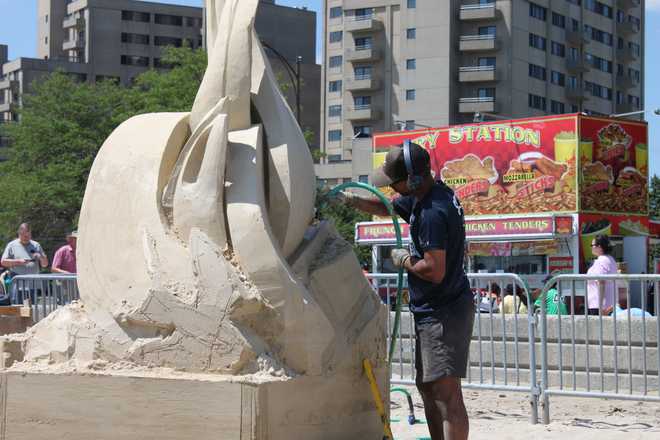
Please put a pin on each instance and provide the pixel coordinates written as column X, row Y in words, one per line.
column 513, row 304
column 554, row 305
column 64, row 260
column 622, row 310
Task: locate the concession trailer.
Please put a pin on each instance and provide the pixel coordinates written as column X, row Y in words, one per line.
column 535, row 191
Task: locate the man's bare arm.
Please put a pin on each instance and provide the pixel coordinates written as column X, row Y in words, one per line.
column 12, row 262
column 430, row 268
column 369, row 205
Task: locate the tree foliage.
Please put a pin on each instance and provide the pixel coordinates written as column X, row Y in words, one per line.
column 63, row 123
column 654, row 197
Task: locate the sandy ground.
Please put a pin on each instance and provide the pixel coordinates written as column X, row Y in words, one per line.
column 502, row 416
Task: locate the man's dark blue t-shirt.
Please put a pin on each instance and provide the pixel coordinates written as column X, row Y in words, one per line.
column 436, row 223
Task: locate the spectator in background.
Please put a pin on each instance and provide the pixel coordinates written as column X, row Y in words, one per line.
column 64, row 260
column 24, row 256
column 554, row 305
column 601, row 294
column 513, row 303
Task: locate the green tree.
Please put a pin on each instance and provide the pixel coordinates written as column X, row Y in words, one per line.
column 654, row 197
column 344, row 218
column 63, row 124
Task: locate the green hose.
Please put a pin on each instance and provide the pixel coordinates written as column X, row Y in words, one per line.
column 399, row 243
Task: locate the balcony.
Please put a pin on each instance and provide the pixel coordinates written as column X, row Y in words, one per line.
column 626, row 55
column 71, row 21
column 363, row 113
column 477, row 105
column 363, row 23
column 577, row 65
column 362, row 83
column 8, row 107
column 627, row 28
column 477, row 74
column 624, row 82
column 575, row 94
column 478, row 43
column 14, row 86
column 627, row 4
column 626, row 107
column 576, row 38
column 477, row 12
column 73, row 44
column 362, row 54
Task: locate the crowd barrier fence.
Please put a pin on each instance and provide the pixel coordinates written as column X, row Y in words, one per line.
column 45, row 292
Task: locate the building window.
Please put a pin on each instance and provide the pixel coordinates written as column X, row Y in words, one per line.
column 557, row 49
column 537, row 102
column 537, row 72
column 598, row 91
column 620, row 98
column 362, row 72
column 574, row 108
column 634, row 101
column 575, row 2
column 598, row 35
column 334, row 86
column 363, row 178
column 168, row 20
column 134, row 38
column 599, row 63
column 168, row 41
column 335, row 36
column 363, row 42
column 574, row 53
column 557, row 78
column 634, row 75
column 620, row 16
column 487, row 61
column 536, row 11
column 333, row 158
column 410, row 95
column 361, row 102
column 599, row 8
column 635, row 48
column 362, row 131
column 335, row 61
column 575, row 25
column 487, row 30
column 558, row 20
column 411, row 33
column 46, row 40
column 46, row 18
column 334, row 111
column 143, row 17
column 133, row 60
column 537, row 42
column 572, row 82
column 409, row 125
column 335, row 12
column 411, row 64
column 557, row 107
column 334, row 135
column 486, row 92
column 412, row 4
column 193, row 22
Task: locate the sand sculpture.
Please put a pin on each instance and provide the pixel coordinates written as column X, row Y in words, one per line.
column 199, row 261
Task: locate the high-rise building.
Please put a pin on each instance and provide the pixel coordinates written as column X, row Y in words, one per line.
column 397, row 65
column 119, row 39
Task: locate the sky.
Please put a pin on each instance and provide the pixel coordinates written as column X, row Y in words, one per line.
column 18, row 30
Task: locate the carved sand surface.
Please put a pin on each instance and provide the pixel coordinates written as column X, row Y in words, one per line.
column 199, row 263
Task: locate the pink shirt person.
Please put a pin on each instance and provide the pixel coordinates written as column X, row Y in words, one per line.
column 64, row 260
column 604, row 265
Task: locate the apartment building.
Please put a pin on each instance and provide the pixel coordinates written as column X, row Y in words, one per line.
column 119, row 39
column 403, row 64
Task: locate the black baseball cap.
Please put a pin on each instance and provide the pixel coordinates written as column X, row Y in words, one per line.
column 394, row 169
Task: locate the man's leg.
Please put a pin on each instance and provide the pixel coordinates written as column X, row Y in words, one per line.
column 445, row 409
column 434, row 418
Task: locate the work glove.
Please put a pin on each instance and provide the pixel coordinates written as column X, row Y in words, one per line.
column 399, row 257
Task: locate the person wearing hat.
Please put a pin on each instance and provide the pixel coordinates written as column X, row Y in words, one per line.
column 64, row 260
column 440, row 296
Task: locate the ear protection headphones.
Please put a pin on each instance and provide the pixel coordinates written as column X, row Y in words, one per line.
column 414, row 181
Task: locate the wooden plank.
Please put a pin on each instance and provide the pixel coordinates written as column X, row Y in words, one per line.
column 15, row 311
column 72, row 407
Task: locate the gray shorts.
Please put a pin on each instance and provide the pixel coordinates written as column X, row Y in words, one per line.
column 442, row 341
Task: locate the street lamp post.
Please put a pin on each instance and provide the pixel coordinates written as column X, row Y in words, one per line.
column 294, row 74
column 639, row 112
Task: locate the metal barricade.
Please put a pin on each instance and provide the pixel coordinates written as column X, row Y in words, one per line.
column 596, row 354
column 44, row 292
column 502, row 354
